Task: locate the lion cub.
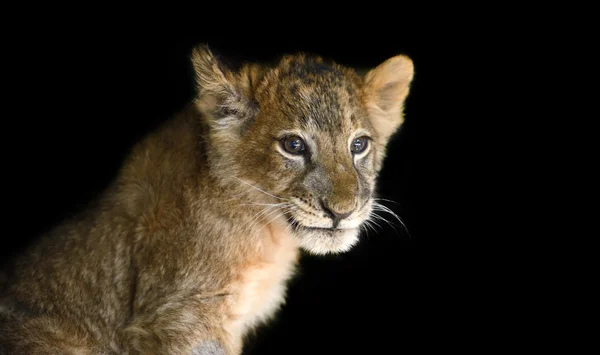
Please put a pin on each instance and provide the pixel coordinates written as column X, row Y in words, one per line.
column 192, row 244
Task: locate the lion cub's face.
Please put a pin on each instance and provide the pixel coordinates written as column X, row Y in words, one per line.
column 310, row 135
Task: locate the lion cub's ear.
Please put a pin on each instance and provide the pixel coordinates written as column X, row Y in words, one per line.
column 385, row 90
column 224, row 96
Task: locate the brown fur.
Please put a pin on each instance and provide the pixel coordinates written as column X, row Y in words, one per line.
column 193, row 242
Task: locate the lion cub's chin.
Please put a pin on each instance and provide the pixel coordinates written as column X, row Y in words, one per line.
column 326, row 241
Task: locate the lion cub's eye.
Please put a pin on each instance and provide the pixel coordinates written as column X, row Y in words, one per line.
column 294, row 145
column 359, row 145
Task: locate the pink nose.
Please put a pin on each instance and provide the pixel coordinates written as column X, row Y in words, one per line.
column 335, row 215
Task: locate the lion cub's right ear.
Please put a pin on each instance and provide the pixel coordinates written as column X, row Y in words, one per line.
column 224, row 97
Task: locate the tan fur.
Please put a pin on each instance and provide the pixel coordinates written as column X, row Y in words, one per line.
column 260, row 288
column 192, row 244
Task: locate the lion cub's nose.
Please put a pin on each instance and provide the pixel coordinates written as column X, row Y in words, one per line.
column 336, row 215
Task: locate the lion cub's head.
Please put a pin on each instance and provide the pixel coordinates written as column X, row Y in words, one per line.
column 307, row 135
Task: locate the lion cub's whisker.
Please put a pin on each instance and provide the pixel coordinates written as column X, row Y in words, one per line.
column 254, row 187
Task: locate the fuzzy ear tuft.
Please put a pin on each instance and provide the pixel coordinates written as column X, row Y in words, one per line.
column 386, row 88
column 222, row 95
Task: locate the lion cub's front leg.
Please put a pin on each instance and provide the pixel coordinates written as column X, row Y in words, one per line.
column 185, row 326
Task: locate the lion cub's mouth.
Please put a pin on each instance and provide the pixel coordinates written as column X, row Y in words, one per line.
column 319, row 240
column 299, row 226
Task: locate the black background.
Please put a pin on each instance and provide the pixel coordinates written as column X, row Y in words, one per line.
column 82, row 95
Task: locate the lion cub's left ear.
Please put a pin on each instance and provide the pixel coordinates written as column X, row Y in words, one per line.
column 385, row 90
